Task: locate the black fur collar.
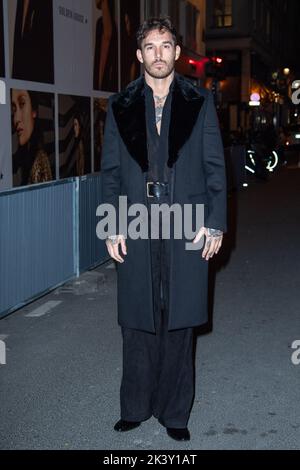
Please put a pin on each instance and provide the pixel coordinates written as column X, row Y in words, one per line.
column 129, row 112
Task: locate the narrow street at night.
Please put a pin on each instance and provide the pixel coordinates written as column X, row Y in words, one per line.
column 128, row 130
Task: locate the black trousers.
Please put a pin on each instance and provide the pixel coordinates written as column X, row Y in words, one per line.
column 158, row 369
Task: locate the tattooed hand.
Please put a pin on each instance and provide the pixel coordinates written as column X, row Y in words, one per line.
column 213, row 241
column 112, row 244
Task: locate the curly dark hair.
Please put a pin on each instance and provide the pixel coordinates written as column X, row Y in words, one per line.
column 162, row 23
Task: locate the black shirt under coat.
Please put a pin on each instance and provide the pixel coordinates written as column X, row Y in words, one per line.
column 158, row 147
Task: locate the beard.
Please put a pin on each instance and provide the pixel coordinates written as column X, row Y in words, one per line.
column 162, row 73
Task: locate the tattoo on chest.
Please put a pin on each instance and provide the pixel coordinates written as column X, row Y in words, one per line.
column 158, row 114
column 159, row 107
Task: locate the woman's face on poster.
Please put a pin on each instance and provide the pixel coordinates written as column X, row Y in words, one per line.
column 98, row 4
column 23, row 115
column 127, row 24
column 76, row 128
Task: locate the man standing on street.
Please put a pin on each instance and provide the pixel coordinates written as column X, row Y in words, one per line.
column 162, row 145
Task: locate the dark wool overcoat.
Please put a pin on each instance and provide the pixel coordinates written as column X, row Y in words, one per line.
column 196, row 159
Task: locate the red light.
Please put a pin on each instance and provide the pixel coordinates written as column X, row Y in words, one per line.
column 219, row 60
column 192, row 62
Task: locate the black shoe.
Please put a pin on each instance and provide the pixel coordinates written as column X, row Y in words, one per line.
column 180, row 434
column 123, row 425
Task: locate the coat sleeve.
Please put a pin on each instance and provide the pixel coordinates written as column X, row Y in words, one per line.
column 110, row 164
column 214, row 169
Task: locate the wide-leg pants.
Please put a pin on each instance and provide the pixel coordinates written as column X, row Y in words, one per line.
column 158, row 369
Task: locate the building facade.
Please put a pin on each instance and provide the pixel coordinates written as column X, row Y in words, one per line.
column 189, row 18
column 254, row 39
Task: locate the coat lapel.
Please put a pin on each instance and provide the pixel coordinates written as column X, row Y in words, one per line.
column 186, row 105
column 130, row 114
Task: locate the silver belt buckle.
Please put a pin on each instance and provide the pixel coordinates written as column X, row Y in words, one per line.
column 149, row 182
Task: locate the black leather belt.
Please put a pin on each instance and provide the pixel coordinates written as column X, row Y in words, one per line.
column 157, row 189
